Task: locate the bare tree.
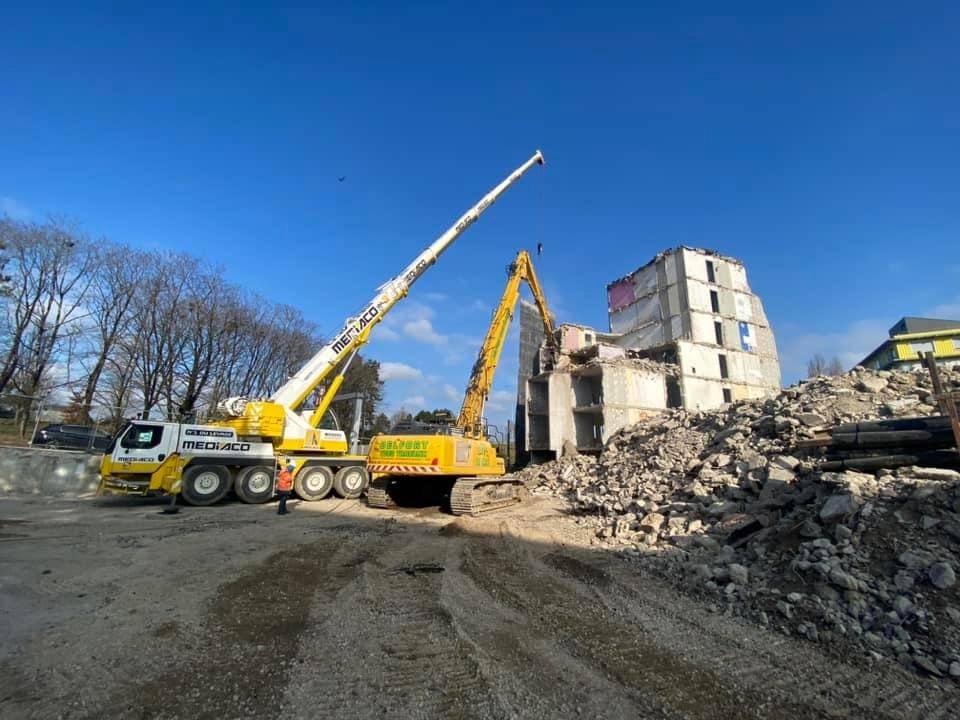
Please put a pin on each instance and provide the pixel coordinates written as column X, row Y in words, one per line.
column 156, row 336
column 4, row 260
column 818, row 365
column 52, row 264
column 119, row 272
column 208, row 319
column 116, row 392
column 835, row 367
column 148, row 330
column 27, row 286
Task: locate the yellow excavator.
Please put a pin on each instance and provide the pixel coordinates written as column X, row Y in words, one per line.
column 459, row 457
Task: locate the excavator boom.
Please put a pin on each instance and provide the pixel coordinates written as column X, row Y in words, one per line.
column 481, row 377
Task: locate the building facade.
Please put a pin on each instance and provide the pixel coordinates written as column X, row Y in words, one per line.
column 694, row 308
column 911, row 336
column 685, row 331
column 594, row 390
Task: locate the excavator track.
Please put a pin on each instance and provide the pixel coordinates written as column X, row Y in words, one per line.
column 378, row 494
column 474, row 495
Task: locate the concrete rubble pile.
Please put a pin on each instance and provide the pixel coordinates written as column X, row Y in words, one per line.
column 603, row 354
column 724, row 504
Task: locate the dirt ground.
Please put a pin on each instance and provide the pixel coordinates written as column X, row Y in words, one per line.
column 112, row 609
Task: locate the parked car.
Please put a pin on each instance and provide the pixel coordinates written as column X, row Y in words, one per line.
column 72, row 437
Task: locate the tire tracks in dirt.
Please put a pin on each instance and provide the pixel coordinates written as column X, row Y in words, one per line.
column 388, row 646
column 592, row 631
column 246, row 655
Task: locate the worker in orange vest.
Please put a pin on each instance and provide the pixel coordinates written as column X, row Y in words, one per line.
column 284, row 486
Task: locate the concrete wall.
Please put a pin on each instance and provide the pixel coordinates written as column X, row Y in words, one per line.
column 626, row 386
column 585, row 406
column 561, row 401
column 531, row 336
column 54, row 473
column 749, row 376
column 549, row 415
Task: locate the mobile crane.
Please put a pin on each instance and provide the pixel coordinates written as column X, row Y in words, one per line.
column 460, row 456
column 201, row 463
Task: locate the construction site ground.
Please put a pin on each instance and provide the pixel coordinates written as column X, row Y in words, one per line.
column 112, row 609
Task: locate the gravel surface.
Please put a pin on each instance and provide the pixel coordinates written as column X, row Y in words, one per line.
column 111, row 609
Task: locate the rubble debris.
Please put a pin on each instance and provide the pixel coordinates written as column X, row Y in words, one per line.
column 594, row 355
column 732, row 505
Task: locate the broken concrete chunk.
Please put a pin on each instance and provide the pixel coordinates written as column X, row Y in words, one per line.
column 719, row 509
column 941, row 575
column 872, row 383
column 915, row 560
column 838, row 506
column 738, row 573
column 927, row 665
column 903, row 580
column 786, row 461
column 772, row 489
column 903, row 605
column 841, row 579
column 706, row 542
column 825, row 592
column 780, row 474
column 652, row 522
column 812, row 419
column 677, row 525
column 895, row 407
column 697, row 489
column 720, row 460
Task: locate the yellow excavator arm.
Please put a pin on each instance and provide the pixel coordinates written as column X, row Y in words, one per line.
column 481, row 377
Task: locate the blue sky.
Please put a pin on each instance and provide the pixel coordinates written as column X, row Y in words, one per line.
column 817, row 141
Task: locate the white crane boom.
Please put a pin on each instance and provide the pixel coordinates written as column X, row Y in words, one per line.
column 356, row 330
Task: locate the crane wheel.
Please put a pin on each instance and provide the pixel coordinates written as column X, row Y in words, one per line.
column 350, row 481
column 313, row 482
column 205, row 484
column 254, row 485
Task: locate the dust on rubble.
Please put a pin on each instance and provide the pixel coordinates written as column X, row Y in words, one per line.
column 730, row 507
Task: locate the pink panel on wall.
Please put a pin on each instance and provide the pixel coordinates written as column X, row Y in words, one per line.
column 620, row 294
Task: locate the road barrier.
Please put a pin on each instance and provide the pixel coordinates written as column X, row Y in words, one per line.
column 51, row 473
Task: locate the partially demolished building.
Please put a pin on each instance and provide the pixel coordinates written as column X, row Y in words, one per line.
column 685, row 331
column 694, row 308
